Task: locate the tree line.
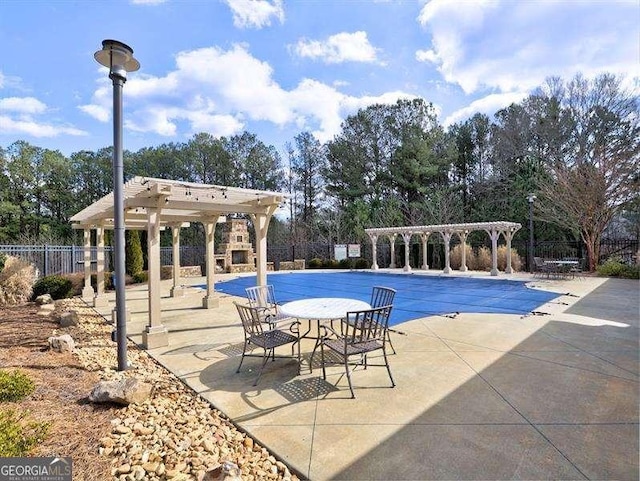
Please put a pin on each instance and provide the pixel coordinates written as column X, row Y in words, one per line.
column 574, row 143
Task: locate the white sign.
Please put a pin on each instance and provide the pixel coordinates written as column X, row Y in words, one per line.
column 354, row 250
column 340, row 251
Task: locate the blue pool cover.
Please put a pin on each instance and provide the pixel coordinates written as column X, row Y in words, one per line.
column 417, row 295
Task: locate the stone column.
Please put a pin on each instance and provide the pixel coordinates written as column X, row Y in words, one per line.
column 177, row 290
column 407, row 245
column 100, row 300
column 508, row 235
column 87, row 292
column 155, row 334
column 392, row 241
column 209, row 301
column 374, row 250
column 261, row 226
column 447, row 250
column 494, row 251
column 425, row 254
column 463, row 243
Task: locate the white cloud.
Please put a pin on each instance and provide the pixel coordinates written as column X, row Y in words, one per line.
column 219, row 91
column 22, row 105
column 255, row 13
column 514, row 46
column 488, row 105
column 99, row 112
column 10, row 126
column 18, row 117
column 338, row 48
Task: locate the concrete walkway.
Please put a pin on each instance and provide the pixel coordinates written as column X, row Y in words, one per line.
column 478, row 396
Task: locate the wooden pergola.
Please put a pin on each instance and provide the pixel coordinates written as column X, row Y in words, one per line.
column 494, row 229
column 154, row 204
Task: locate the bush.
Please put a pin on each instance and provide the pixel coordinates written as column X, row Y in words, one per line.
column 330, row 264
column 614, row 267
column 483, row 259
column 3, row 259
column 345, row 264
column 16, row 281
column 315, row 263
column 57, row 286
column 516, row 261
column 362, row 263
column 455, row 257
column 17, row 435
column 140, row 277
column 15, row 386
column 134, row 261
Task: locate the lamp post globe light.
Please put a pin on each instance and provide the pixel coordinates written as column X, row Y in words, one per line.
column 118, row 58
column 530, row 198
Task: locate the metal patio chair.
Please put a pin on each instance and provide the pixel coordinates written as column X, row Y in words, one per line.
column 363, row 332
column 383, row 296
column 263, row 298
column 268, row 340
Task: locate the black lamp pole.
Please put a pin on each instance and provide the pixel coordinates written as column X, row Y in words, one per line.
column 118, row 58
column 530, row 199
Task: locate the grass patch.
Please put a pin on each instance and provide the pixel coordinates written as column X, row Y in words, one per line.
column 15, row 386
column 18, row 435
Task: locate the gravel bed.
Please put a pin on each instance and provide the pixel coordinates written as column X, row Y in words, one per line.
column 175, row 434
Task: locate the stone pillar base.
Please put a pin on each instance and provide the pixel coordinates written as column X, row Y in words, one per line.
column 494, row 272
column 100, row 301
column 407, row 268
column 156, row 336
column 375, row 267
column 88, row 294
column 447, row 270
column 464, row 268
column 114, row 316
column 508, row 270
column 210, row 302
column 177, row 291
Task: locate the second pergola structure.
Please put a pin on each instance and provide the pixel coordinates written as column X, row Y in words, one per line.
column 154, row 204
column 447, row 231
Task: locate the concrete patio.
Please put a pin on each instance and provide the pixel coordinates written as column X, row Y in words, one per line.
column 478, row 396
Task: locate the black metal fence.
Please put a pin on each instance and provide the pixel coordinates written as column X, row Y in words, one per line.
column 50, row 259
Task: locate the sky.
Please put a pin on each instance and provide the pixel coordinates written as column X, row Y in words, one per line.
column 276, row 68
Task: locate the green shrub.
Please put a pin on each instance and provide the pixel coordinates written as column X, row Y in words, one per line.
column 315, row 263
column 330, row 264
column 345, row 264
column 362, row 263
column 615, row 268
column 57, row 286
column 18, row 435
column 134, row 261
column 15, row 386
column 140, row 277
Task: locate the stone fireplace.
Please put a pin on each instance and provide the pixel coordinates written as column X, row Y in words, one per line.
column 235, row 252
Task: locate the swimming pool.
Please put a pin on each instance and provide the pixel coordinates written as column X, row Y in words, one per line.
column 417, row 295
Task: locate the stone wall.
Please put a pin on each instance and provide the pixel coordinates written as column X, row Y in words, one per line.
column 166, row 272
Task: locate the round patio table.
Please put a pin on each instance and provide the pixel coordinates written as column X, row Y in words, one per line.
column 321, row 309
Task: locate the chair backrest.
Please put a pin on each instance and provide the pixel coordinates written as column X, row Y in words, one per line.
column 382, row 296
column 250, row 320
column 538, row 262
column 367, row 325
column 263, row 297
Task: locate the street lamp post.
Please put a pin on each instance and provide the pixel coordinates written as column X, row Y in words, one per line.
column 118, row 58
column 530, row 198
